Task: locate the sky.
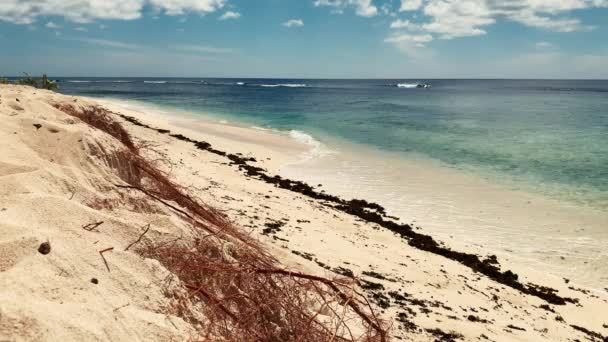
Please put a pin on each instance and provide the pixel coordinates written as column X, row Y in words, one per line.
column 306, row 38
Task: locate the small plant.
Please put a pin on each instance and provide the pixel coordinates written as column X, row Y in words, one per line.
column 4, row 80
column 44, row 83
column 27, row 81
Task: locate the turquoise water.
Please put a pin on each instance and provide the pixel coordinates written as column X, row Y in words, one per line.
column 547, row 136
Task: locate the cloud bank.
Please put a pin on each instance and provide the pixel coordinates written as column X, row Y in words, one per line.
column 84, row 11
column 363, row 8
column 449, row 19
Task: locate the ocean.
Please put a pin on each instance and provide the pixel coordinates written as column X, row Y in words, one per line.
column 517, row 168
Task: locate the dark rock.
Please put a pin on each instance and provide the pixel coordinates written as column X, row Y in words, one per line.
column 94, row 281
column 45, row 248
column 38, row 126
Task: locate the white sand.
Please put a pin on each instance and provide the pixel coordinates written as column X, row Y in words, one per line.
column 50, row 179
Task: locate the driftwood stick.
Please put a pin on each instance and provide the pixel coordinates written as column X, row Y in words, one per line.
column 139, row 239
column 104, row 258
column 92, row 227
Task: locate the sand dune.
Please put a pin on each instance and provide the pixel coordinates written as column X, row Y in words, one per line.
column 56, row 178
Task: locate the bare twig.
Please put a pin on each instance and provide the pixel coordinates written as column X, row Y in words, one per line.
column 138, row 239
column 104, row 259
column 92, row 227
column 121, row 307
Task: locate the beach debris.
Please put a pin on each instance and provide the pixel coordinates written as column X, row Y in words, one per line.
column 92, row 227
column 121, row 307
column 546, row 307
column 272, row 227
column 45, row 248
column 511, row 326
column 593, row 336
column 38, row 126
column 444, row 336
column 104, row 258
column 140, row 237
column 94, row 281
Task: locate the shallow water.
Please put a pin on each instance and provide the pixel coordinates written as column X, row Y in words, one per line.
column 519, row 167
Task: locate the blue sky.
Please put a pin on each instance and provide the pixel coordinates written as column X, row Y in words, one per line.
column 306, row 38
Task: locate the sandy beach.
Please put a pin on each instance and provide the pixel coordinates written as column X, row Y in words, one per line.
column 100, row 281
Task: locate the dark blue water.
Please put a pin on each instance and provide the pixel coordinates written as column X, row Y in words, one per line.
column 552, row 134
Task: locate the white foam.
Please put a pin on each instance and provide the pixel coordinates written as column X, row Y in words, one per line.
column 287, row 85
column 407, row 85
column 317, row 149
column 156, row 82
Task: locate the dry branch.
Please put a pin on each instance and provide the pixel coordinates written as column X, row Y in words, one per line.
column 138, row 239
column 92, row 227
column 104, row 258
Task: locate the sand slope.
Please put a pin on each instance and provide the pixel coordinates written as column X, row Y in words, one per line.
column 53, row 182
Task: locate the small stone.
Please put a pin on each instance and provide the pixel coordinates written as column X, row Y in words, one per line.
column 37, row 126
column 45, row 248
column 94, row 281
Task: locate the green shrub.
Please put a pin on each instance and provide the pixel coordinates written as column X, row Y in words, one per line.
column 27, row 81
column 43, row 83
column 4, row 80
column 46, row 84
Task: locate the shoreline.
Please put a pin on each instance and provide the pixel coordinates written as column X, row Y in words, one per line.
column 442, row 200
column 420, row 292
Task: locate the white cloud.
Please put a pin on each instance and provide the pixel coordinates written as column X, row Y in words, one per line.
column 364, row 8
column 544, row 45
column 84, row 11
column 230, row 15
column 81, row 29
column 52, row 25
column 107, row 43
column 294, row 23
column 204, row 49
column 412, row 45
column 179, row 7
column 405, row 24
column 410, row 5
column 419, row 40
column 450, row 19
